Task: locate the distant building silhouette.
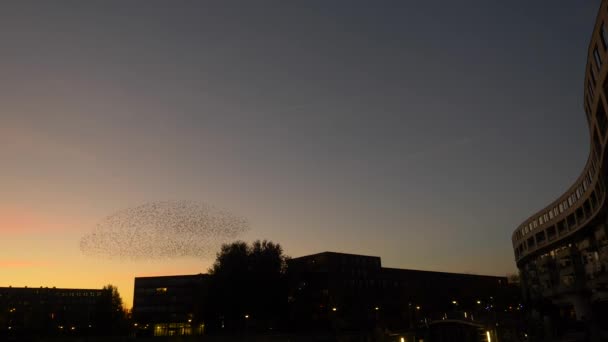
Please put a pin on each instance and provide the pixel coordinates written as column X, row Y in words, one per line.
column 562, row 250
column 354, row 292
column 50, row 311
column 333, row 292
column 169, row 305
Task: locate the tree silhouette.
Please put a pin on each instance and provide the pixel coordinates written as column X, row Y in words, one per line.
column 248, row 289
column 110, row 318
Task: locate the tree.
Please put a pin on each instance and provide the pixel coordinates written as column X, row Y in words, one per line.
column 231, row 260
column 110, row 318
column 248, row 286
column 513, row 278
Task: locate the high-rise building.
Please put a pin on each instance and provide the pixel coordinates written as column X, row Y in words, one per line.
column 562, row 250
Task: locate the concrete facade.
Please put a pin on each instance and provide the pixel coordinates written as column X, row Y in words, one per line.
column 562, row 250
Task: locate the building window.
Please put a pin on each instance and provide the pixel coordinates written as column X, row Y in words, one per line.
column 603, row 36
column 598, row 59
column 561, row 227
column 580, row 214
column 540, row 237
column 601, row 117
column 587, row 207
column 605, row 85
column 551, row 233
column 571, row 221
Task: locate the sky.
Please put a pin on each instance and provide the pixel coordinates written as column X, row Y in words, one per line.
column 423, row 132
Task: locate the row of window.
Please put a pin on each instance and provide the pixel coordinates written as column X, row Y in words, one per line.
column 557, row 267
column 79, row 294
column 562, row 227
column 595, row 68
column 568, row 202
column 527, row 233
column 597, row 58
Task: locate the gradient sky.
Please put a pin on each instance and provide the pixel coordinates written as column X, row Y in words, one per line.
column 423, row 132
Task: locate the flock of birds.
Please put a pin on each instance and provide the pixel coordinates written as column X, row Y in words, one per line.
column 160, row 230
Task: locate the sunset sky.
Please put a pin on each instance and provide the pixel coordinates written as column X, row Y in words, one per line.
column 423, row 132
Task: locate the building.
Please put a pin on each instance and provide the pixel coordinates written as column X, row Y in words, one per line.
column 562, row 250
column 354, row 292
column 169, row 305
column 325, row 293
column 51, row 310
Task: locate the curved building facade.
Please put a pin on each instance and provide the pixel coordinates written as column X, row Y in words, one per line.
column 562, row 250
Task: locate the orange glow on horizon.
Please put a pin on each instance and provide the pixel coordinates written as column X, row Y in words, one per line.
column 18, row 221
